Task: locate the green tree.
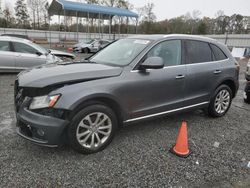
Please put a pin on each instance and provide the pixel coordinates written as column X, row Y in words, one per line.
column 22, row 16
column 202, row 28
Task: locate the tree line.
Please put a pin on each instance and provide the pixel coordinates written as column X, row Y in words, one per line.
column 33, row 14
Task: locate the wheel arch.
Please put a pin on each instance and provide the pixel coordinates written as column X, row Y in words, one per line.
column 107, row 100
column 231, row 84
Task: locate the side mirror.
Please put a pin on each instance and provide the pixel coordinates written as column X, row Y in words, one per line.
column 39, row 53
column 152, row 63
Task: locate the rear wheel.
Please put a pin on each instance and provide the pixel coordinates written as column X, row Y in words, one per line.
column 220, row 102
column 92, row 129
column 85, row 50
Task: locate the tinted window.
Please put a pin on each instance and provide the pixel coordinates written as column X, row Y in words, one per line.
column 218, row 53
column 4, row 46
column 24, row 48
column 169, row 51
column 197, row 52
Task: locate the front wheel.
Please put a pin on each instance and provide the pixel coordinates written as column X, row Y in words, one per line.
column 220, row 101
column 92, row 129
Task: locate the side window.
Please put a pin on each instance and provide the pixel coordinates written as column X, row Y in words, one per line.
column 169, row 51
column 4, row 46
column 197, row 52
column 24, row 48
column 218, row 53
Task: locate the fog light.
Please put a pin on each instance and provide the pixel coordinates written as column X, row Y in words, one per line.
column 40, row 132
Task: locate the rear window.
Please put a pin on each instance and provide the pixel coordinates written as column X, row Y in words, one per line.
column 197, row 52
column 218, row 54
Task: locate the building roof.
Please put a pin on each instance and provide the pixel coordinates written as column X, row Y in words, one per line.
column 70, row 8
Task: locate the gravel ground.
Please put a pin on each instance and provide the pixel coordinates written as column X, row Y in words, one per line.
column 138, row 156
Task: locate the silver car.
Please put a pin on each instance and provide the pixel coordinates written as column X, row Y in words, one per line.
column 19, row 54
column 93, row 45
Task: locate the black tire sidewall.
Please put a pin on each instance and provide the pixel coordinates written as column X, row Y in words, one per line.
column 79, row 116
column 211, row 109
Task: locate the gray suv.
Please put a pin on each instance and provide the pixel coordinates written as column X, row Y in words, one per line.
column 136, row 78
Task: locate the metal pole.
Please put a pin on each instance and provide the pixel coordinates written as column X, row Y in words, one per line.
column 127, row 25
column 49, row 34
column 77, row 27
column 99, row 25
column 88, row 24
column 65, row 26
column 119, row 28
column 59, row 28
column 110, row 22
column 136, row 25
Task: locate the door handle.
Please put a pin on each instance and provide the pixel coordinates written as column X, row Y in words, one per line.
column 180, row 77
column 217, row 71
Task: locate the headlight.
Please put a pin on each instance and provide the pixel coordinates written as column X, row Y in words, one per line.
column 44, row 102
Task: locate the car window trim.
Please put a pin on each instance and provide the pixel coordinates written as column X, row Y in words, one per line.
column 136, row 66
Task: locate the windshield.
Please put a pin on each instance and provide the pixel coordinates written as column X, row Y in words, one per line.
column 121, row 52
column 38, row 47
column 89, row 42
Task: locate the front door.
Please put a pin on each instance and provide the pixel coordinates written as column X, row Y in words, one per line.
column 26, row 56
column 157, row 91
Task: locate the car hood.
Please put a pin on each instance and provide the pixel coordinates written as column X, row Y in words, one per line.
column 61, row 53
column 55, row 74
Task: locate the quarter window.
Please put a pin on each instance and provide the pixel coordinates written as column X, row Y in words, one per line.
column 4, row 46
column 197, row 52
column 24, row 48
column 218, row 53
column 169, row 51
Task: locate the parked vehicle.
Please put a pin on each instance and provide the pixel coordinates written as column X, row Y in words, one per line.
column 247, row 74
column 247, row 92
column 18, row 54
column 18, row 36
column 90, row 46
column 130, row 80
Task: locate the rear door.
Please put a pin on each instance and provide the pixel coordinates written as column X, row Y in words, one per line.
column 26, row 56
column 203, row 72
column 7, row 60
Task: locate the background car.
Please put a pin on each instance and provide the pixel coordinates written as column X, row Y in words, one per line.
column 18, row 54
column 18, row 36
column 93, row 45
column 247, row 74
column 247, row 93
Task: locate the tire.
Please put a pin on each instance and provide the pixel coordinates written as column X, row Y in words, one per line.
column 85, row 50
column 88, row 142
column 222, row 97
column 247, row 100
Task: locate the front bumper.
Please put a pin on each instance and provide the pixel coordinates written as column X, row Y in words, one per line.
column 40, row 129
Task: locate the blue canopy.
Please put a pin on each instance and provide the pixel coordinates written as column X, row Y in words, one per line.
column 71, row 8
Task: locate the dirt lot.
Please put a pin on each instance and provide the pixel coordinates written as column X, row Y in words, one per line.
column 138, row 156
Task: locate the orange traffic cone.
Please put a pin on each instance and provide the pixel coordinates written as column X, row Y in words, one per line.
column 181, row 147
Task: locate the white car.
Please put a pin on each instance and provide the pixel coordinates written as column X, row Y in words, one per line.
column 93, row 45
column 18, row 54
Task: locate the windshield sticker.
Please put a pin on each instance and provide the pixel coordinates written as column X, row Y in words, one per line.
column 141, row 41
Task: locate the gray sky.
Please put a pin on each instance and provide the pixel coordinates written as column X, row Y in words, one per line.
column 173, row 8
